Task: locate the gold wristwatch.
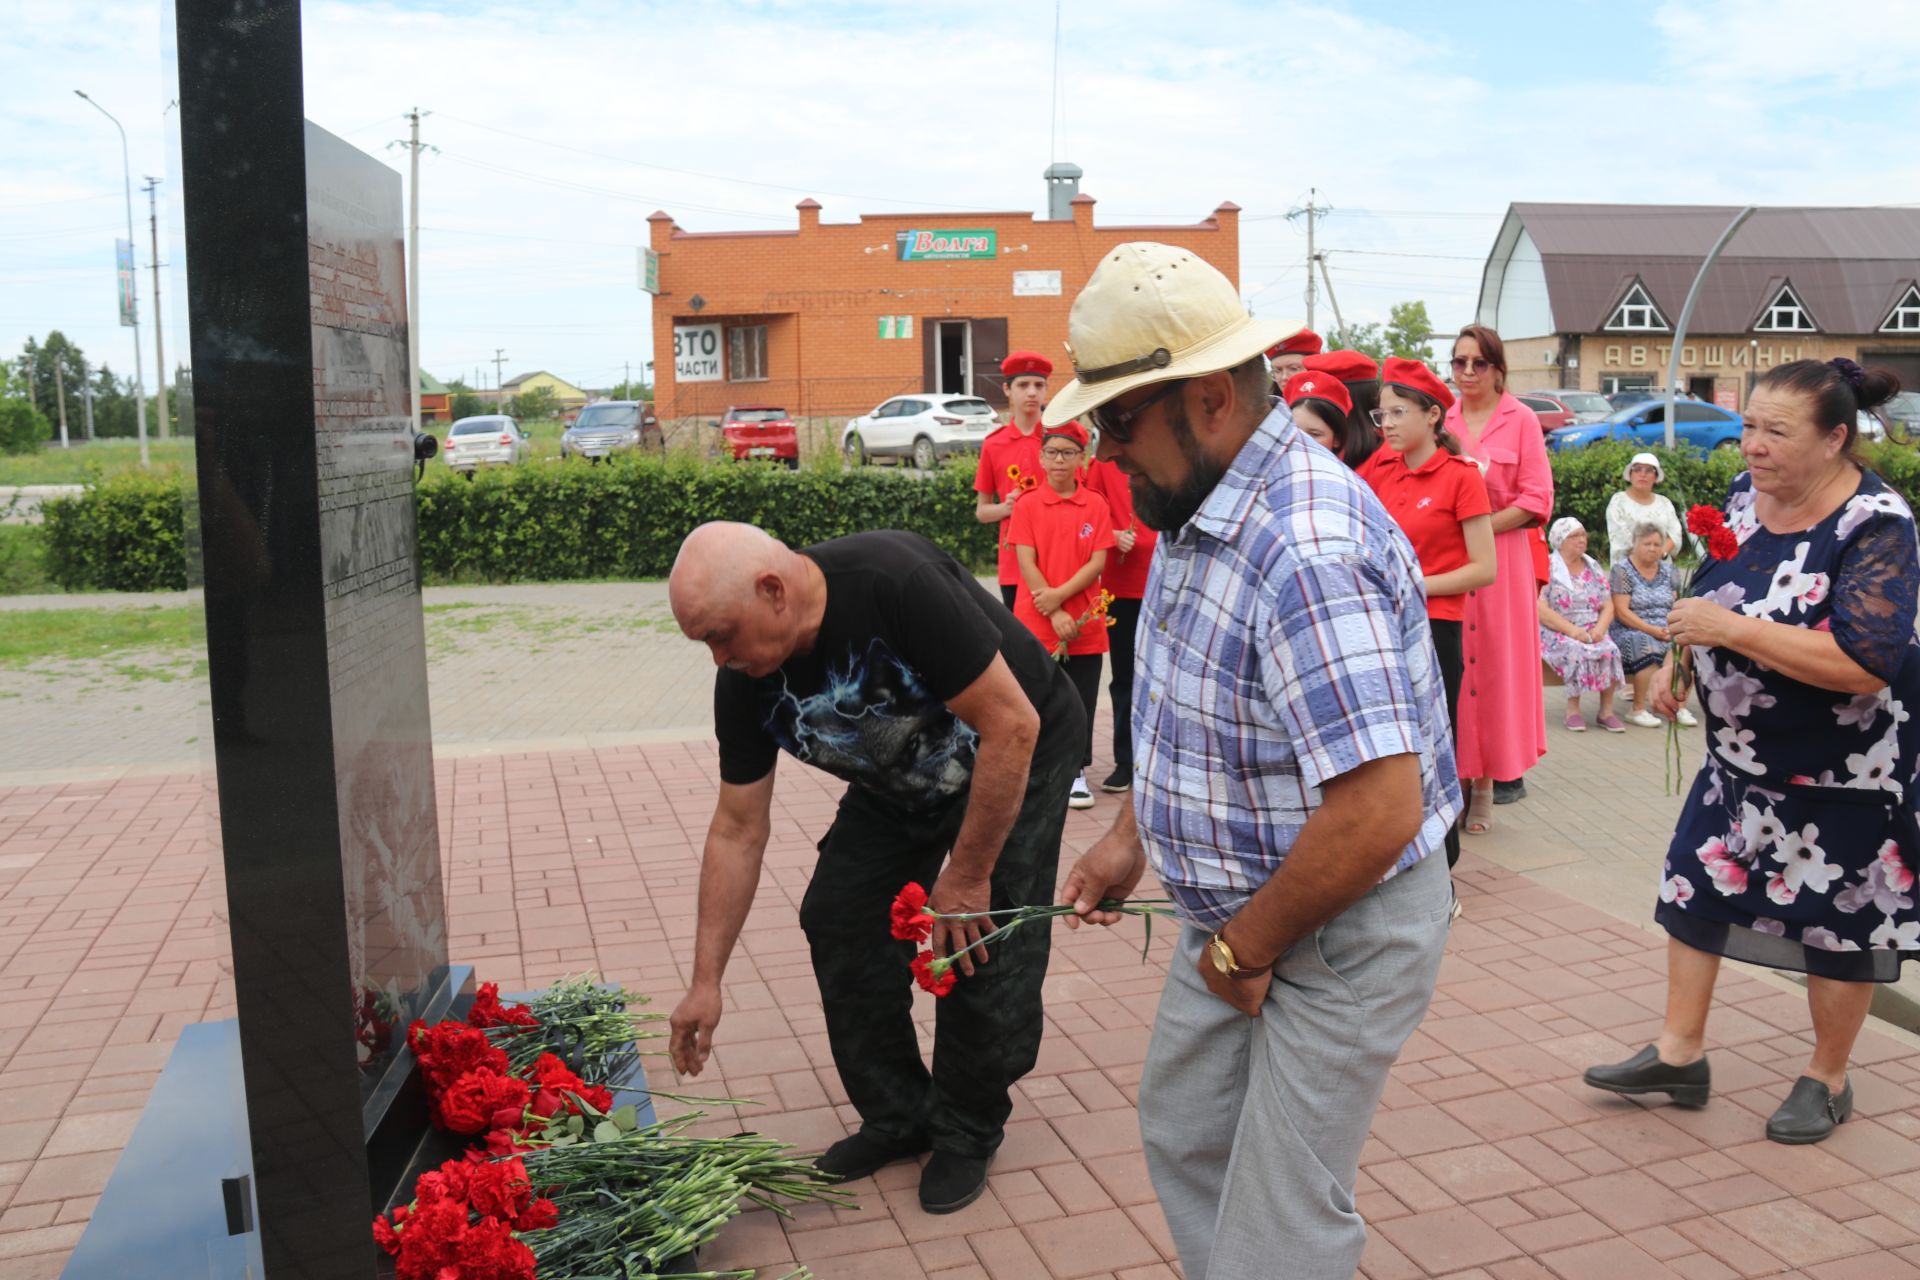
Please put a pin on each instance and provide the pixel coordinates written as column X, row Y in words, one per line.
column 1222, row 956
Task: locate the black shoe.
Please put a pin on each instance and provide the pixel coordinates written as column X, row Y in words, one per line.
column 860, row 1156
column 1688, row 1086
column 1810, row 1113
column 1119, row 780
column 1508, row 792
column 950, row 1183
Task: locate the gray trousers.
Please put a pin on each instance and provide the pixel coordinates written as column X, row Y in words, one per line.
column 1253, row 1126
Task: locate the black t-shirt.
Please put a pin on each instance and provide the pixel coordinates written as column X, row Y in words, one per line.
column 905, row 629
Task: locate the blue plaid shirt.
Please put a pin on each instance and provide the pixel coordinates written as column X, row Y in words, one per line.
column 1283, row 642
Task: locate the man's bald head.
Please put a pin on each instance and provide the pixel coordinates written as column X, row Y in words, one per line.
column 733, row 589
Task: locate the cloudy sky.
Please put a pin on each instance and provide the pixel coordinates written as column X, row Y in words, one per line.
column 562, row 123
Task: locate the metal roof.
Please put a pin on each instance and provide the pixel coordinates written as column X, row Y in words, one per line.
column 1849, row 266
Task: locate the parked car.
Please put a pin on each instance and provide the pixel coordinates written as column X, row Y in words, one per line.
column 1586, row 406
column 924, row 427
column 1640, row 395
column 1695, row 422
column 760, row 431
column 1552, row 414
column 609, row 427
column 1902, row 414
column 488, row 440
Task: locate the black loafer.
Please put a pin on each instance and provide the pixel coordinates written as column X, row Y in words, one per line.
column 1119, row 780
column 861, row 1155
column 950, row 1183
column 1688, row 1086
column 1508, row 792
column 1810, row 1113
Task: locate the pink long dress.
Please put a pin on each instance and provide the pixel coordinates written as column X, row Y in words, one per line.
column 1503, row 718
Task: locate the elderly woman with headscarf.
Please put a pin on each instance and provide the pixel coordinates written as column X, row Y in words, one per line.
column 1576, row 612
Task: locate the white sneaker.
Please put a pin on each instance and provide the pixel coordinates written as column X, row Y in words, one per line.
column 1645, row 719
column 1684, row 718
column 1079, row 797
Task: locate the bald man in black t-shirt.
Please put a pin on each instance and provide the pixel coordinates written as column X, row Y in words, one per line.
column 879, row 659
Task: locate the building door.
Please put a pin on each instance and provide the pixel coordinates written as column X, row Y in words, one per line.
column 952, row 358
column 989, row 346
column 1904, row 363
column 1700, row 388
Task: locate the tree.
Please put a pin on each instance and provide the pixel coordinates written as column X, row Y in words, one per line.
column 462, row 402
column 1359, row 337
column 631, row 391
column 23, row 428
column 113, row 414
column 36, row 365
column 534, row 406
column 1408, row 330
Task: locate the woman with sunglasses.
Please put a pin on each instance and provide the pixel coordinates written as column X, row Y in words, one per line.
column 1440, row 502
column 1503, row 713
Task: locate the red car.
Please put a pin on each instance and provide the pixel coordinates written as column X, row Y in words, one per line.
column 760, row 431
column 1568, row 408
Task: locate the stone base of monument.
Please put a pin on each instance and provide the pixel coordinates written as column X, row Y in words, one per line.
column 180, row 1202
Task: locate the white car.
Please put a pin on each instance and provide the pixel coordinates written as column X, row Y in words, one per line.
column 491, row 439
column 924, row 428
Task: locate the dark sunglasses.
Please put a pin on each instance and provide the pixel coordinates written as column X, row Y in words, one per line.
column 1462, row 364
column 1116, row 424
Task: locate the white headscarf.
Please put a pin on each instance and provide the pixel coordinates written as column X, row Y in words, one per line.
column 1557, row 533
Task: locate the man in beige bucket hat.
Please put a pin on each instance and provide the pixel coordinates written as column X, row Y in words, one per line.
column 1293, row 775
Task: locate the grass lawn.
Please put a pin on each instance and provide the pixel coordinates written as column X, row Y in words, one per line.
column 82, row 462
column 23, row 560
column 27, row 635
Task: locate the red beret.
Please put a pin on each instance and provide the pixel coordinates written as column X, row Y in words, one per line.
column 1317, row 384
column 1304, row 343
column 1066, row 431
column 1348, row 366
column 1019, row 364
column 1415, row 376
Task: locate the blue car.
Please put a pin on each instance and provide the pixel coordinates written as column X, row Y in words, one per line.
column 1695, row 422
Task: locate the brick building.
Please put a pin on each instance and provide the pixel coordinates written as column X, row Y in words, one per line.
column 830, row 319
column 1587, row 295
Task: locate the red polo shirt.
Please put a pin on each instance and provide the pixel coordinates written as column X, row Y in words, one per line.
column 1126, row 573
column 1429, row 503
column 1064, row 531
column 1008, row 447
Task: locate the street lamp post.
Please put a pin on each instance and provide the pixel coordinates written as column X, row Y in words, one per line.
column 139, row 376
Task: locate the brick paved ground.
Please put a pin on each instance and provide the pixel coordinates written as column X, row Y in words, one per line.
column 1489, row 1160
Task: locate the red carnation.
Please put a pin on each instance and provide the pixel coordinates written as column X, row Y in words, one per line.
column 449, row 1050
column 911, row 923
column 488, row 1251
column 1703, row 520
column 537, row 1216
column 499, row 1189
column 557, row 1081
column 1722, row 544
column 429, row 1245
column 473, row 1101
column 385, row 1236
column 487, row 1010
column 938, row 980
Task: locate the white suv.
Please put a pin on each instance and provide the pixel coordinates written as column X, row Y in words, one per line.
column 924, row 427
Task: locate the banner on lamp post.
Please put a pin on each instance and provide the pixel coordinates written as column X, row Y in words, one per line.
column 123, row 258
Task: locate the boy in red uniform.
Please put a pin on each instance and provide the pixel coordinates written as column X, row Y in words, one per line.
column 1125, row 579
column 1010, row 458
column 1290, row 357
column 1061, row 534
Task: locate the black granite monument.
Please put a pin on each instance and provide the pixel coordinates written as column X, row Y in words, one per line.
column 274, row 1141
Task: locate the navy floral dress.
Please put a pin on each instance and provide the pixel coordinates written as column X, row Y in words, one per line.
column 1798, row 845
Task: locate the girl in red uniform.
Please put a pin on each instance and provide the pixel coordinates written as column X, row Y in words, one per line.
column 1440, row 502
column 1061, row 533
column 1320, row 404
column 1125, row 579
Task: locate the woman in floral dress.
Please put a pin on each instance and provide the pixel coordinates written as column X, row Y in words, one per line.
column 1798, row 843
column 1576, row 613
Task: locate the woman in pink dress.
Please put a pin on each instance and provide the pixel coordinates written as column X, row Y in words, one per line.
column 1503, row 721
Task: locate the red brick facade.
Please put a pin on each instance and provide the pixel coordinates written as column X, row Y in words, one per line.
column 827, row 292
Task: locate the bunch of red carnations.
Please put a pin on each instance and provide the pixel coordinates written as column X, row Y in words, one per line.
column 911, row 919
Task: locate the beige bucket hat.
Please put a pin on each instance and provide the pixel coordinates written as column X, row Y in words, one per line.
column 1152, row 313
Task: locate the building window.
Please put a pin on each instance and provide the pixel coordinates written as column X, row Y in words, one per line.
column 1636, row 311
column 1905, row 317
column 747, row 353
column 1785, row 314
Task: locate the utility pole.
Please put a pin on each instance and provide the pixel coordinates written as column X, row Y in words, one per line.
column 159, row 348
column 86, row 393
column 1328, row 280
column 413, row 146
column 1312, row 210
column 60, row 394
column 139, row 377
column 499, row 358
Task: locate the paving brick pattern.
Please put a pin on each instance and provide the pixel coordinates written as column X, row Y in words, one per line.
column 1488, row 1161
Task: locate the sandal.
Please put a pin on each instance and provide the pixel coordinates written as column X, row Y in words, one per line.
column 1479, row 811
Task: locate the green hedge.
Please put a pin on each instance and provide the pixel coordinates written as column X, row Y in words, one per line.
column 552, row 522
column 127, row 532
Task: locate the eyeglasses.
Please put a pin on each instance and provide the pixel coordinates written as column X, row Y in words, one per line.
column 1381, row 417
column 1116, row 424
column 1461, row 364
column 1062, row 455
